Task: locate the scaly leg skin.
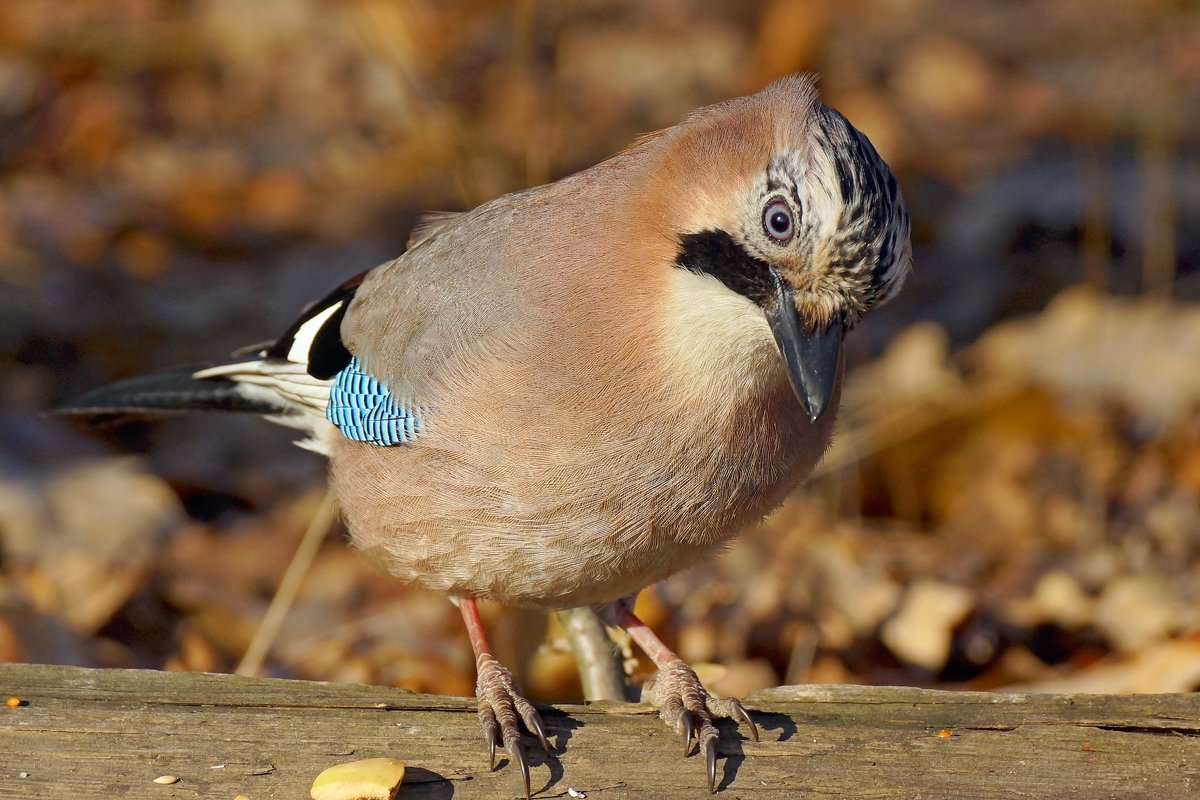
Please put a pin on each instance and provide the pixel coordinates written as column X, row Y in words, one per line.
column 678, row 695
column 500, row 701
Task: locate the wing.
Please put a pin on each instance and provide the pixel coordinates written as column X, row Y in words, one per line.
column 445, row 302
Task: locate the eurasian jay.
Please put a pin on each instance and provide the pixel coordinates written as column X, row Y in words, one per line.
column 574, row 391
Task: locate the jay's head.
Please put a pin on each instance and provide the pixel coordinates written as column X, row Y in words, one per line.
column 790, row 207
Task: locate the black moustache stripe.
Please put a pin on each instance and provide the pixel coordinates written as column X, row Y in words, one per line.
column 715, row 253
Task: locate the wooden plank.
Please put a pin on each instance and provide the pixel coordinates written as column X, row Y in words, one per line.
column 85, row 734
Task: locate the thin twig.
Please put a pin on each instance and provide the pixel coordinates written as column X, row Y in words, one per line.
column 289, row 587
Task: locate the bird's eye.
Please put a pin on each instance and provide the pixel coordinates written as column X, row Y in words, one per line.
column 777, row 220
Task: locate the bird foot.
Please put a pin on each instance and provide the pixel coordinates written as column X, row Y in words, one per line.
column 683, row 703
column 500, row 707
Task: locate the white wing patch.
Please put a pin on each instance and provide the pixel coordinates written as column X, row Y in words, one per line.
column 302, row 342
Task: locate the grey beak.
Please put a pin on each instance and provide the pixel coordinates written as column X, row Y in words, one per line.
column 812, row 359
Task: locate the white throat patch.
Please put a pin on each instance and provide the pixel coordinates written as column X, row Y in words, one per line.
column 718, row 340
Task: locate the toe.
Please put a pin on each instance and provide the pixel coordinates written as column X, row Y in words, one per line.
column 491, row 731
column 533, row 721
column 689, row 726
column 706, row 740
column 743, row 718
column 513, row 745
column 511, row 735
column 672, row 712
column 729, row 707
column 710, row 761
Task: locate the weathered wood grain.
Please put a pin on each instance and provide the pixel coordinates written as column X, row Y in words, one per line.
column 85, row 734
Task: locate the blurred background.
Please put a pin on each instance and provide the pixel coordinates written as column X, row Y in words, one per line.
column 1013, row 499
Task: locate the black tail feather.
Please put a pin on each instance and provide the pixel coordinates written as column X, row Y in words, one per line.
column 164, row 392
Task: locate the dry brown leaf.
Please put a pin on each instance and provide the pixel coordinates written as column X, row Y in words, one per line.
column 920, row 633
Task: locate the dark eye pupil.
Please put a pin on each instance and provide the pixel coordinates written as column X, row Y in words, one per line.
column 777, row 221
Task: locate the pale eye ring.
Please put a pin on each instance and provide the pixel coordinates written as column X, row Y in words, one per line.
column 778, row 221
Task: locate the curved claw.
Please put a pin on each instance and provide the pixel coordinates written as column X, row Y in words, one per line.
column 491, row 732
column 534, row 723
column 710, row 760
column 518, row 756
column 689, row 729
column 743, row 717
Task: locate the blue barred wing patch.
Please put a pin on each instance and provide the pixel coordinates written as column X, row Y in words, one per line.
column 364, row 410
